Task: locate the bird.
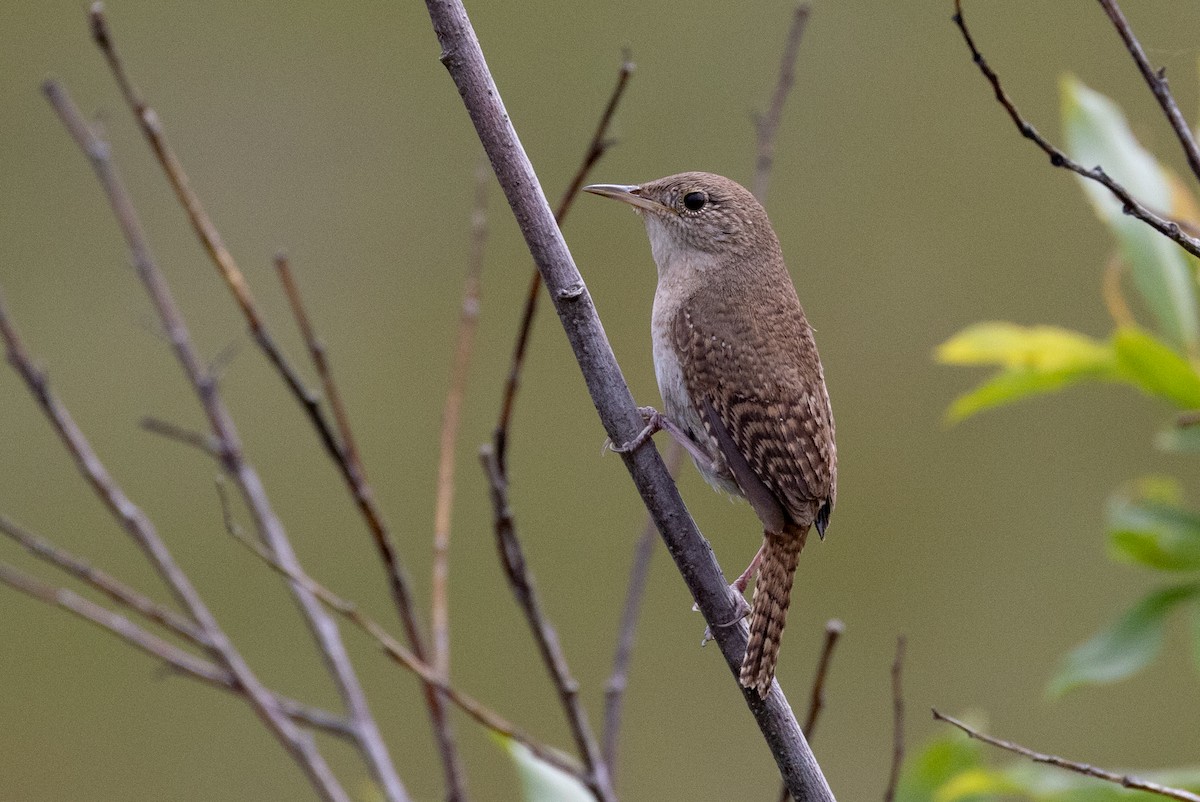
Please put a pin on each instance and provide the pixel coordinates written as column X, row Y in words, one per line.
column 742, row 384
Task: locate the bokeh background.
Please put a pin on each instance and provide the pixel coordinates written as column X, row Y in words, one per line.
column 908, row 207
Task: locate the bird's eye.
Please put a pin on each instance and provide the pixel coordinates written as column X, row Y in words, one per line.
column 694, row 201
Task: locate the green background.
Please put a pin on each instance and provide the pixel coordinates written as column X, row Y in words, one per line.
column 907, row 207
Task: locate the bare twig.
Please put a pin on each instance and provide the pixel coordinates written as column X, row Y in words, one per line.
column 1124, row 780
column 198, row 440
column 342, row 453
column 768, row 124
column 463, row 58
column 816, row 700
column 176, row 658
column 270, row 528
column 889, row 793
column 596, row 149
column 1157, row 81
column 512, row 556
column 407, row 659
column 639, row 571
column 142, row 531
column 1165, row 226
column 108, row 585
column 347, row 459
column 451, row 417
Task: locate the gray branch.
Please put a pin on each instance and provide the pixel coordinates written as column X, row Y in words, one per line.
column 463, row 58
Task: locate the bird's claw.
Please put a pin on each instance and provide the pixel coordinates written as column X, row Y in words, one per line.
column 654, row 423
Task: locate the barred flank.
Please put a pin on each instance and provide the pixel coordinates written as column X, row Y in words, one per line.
column 772, row 593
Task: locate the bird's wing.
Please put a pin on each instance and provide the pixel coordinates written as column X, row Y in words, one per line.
column 769, row 414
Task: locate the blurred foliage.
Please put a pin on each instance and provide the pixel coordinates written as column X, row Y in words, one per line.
column 1148, row 523
column 952, row 769
column 540, row 781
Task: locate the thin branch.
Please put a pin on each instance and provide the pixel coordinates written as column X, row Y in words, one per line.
column 816, row 700
column 512, row 556
column 1157, row 81
column 171, row 431
column 1131, row 206
column 111, row 587
column 464, row 60
column 408, row 660
column 342, row 453
column 889, row 793
column 270, row 528
column 346, row 457
column 768, row 124
column 596, row 149
column 639, row 572
column 176, row 658
column 142, row 531
column 1124, row 780
column 451, row 418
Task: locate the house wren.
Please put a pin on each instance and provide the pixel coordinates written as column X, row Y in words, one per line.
column 740, row 378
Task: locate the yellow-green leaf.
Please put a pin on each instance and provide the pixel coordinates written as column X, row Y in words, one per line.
column 1097, row 134
column 1157, row 369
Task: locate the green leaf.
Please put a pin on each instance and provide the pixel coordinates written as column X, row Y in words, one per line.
column 1043, row 783
column 540, row 781
column 977, row 784
column 1034, row 360
column 1196, row 637
column 1154, row 367
column 1147, row 526
column 1097, row 134
column 1179, row 438
column 1126, row 647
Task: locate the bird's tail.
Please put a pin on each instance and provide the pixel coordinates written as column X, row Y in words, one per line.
column 772, row 593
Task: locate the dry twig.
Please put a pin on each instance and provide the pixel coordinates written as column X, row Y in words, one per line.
column 1124, row 780
column 270, row 528
column 768, row 124
column 451, row 416
column 596, row 149
column 341, row 452
column 512, row 557
column 1131, row 205
column 889, row 793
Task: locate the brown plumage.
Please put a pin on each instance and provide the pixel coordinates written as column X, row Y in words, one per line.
column 740, row 376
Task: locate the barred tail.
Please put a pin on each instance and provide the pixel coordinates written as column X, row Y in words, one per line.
column 772, row 593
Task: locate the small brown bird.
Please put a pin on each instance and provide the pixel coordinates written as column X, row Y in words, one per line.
column 740, row 378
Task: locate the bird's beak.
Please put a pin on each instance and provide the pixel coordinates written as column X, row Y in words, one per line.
column 629, row 193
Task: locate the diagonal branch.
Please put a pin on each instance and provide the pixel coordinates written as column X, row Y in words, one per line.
column 768, row 124
column 1124, row 780
column 232, row 461
column 142, row 531
column 1157, row 81
column 463, row 58
column 512, row 556
column 596, row 149
column 1131, row 205
column 342, row 452
column 176, row 658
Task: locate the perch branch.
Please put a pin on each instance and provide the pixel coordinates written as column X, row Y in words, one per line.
column 596, row 149
column 768, row 124
column 1124, row 780
column 270, row 528
column 1167, row 227
column 464, row 60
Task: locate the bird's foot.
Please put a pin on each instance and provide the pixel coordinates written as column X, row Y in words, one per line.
column 655, row 422
column 743, row 610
